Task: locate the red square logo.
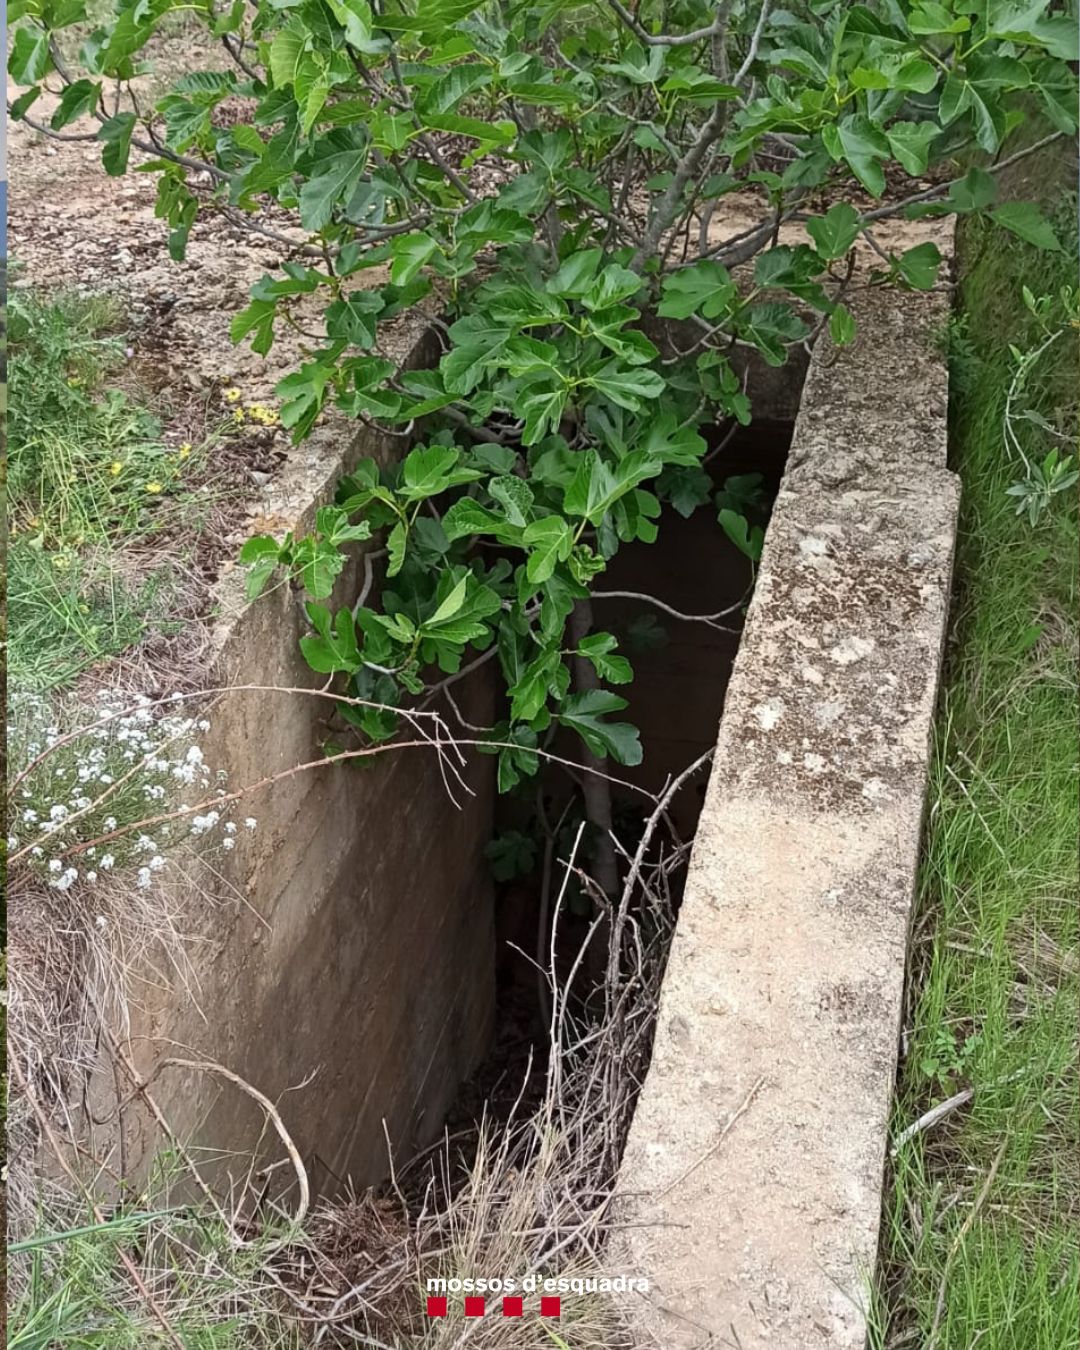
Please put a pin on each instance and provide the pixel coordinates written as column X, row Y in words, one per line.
column 550, row 1307
column 513, row 1306
column 436, row 1307
column 474, row 1307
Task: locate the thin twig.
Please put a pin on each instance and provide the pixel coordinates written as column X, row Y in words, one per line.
column 713, row 1148
column 709, row 619
column 931, row 1118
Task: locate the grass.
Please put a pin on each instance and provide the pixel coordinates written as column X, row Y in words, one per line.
column 211, row 1293
column 93, row 490
column 980, row 1240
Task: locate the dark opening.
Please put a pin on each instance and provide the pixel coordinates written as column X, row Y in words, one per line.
column 681, row 671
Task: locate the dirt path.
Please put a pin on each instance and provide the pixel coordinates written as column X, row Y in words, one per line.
column 72, row 225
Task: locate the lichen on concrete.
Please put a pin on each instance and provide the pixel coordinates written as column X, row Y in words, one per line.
column 784, row 987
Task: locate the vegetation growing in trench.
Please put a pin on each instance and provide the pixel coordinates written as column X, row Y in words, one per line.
column 545, row 175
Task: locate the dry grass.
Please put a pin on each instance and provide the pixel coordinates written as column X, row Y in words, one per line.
column 527, row 1195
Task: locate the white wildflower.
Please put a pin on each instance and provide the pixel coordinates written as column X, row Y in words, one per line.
column 144, row 879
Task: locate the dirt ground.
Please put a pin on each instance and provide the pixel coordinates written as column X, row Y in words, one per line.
column 70, row 224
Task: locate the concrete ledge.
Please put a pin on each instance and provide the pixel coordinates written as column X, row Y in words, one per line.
column 788, row 964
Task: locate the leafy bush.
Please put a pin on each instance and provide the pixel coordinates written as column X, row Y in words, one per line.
column 549, row 173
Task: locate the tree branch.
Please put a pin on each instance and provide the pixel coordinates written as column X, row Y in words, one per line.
column 670, row 39
column 709, row 619
column 928, row 194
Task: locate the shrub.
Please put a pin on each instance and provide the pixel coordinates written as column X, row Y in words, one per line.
column 549, row 172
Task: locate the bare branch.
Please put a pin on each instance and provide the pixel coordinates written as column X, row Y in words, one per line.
column 928, row 194
column 671, row 39
column 709, row 619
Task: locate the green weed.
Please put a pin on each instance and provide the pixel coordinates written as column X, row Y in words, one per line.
column 90, row 479
column 211, row 1293
column 979, row 1241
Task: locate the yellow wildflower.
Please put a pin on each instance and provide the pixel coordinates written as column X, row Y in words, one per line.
column 185, row 450
column 238, row 415
column 233, row 395
column 116, row 467
column 153, row 487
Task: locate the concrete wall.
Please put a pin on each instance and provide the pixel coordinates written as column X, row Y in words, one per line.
column 753, row 1172
column 349, row 947
column 677, row 694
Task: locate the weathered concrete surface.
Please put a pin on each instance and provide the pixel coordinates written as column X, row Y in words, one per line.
column 341, row 958
column 788, row 963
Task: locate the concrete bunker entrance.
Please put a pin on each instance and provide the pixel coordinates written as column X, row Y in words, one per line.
column 373, row 983
column 677, row 608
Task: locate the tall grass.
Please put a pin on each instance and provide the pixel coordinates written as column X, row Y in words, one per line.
column 980, row 1242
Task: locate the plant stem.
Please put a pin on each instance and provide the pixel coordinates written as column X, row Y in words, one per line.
column 596, row 789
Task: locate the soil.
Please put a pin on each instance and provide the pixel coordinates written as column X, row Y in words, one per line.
column 72, row 225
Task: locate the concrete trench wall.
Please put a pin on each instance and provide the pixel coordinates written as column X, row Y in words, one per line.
column 347, row 967
column 755, row 1161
